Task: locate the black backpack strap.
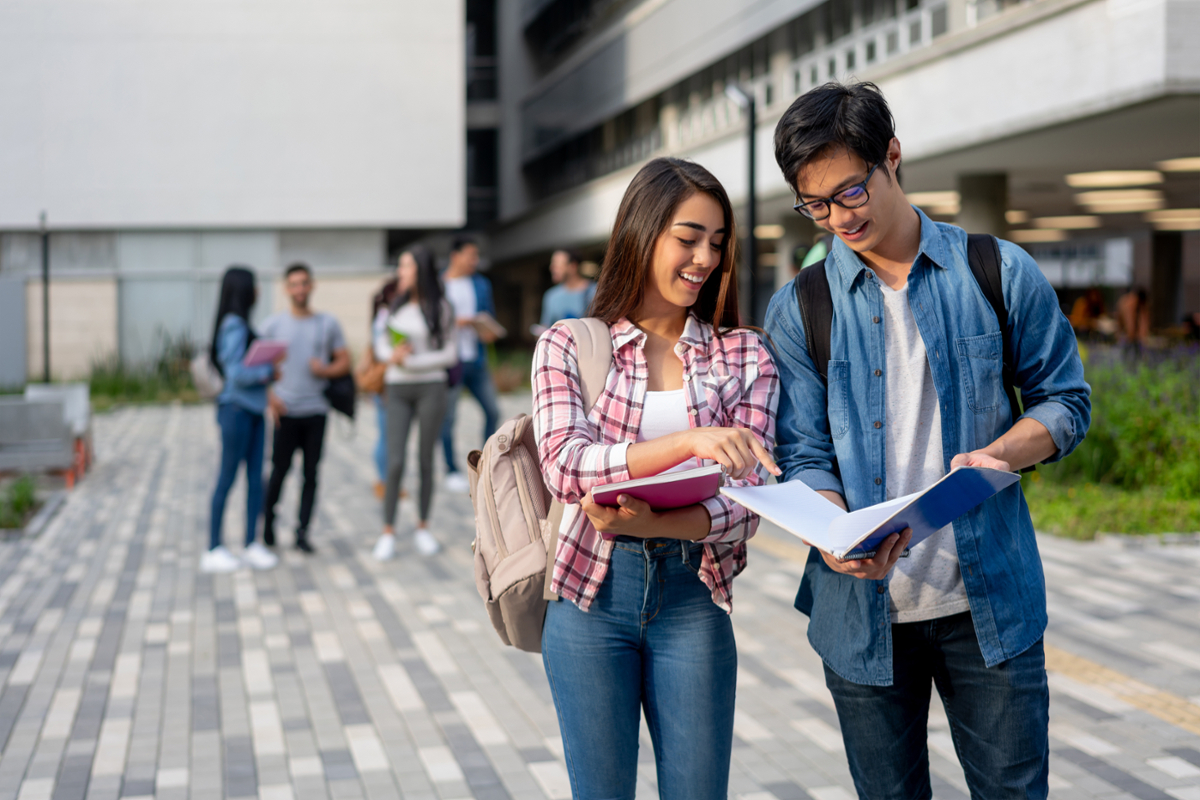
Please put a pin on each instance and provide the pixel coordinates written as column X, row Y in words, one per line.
column 983, row 256
column 816, row 309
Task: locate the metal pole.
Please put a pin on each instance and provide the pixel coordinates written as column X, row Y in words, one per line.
column 752, row 213
column 45, row 298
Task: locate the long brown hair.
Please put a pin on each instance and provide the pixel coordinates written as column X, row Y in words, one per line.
column 646, row 211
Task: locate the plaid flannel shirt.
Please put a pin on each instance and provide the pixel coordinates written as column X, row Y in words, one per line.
column 730, row 382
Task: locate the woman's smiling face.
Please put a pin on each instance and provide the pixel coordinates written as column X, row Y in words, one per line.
column 687, row 253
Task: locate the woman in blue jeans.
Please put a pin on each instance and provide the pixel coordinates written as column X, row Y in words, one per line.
column 643, row 625
column 240, row 408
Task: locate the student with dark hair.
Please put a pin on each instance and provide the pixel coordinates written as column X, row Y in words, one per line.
column 417, row 341
column 643, row 623
column 240, row 407
column 469, row 294
column 316, row 352
column 571, row 294
column 914, row 386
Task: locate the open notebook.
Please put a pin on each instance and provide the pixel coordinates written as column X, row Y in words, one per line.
column 802, row 512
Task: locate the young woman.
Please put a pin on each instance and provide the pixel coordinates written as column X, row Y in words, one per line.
column 240, row 407
column 381, row 309
column 643, row 623
column 418, row 342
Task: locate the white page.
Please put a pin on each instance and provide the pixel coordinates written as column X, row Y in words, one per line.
column 852, row 528
column 792, row 506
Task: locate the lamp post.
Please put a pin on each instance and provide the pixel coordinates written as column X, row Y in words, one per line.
column 45, row 297
column 745, row 101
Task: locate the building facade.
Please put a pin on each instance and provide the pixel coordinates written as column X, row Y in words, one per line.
column 1071, row 126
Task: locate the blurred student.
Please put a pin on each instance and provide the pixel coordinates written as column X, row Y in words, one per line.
column 470, row 295
column 316, row 352
column 571, row 294
column 380, row 310
column 240, row 407
column 1133, row 319
column 417, row 341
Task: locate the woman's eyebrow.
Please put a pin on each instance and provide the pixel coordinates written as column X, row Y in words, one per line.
column 697, row 226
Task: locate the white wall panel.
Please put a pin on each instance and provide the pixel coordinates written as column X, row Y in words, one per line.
column 231, row 113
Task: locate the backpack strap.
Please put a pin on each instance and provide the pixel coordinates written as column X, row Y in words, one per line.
column 816, row 310
column 594, row 353
column 983, row 256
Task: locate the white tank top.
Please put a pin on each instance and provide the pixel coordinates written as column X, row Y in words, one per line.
column 666, row 413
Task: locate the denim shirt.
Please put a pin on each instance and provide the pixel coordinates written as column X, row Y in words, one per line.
column 835, row 439
column 245, row 387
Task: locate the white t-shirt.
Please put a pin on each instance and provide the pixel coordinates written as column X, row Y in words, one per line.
column 665, row 413
column 928, row 583
column 461, row 294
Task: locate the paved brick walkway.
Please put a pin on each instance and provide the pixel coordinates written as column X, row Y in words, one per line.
column 124, row 673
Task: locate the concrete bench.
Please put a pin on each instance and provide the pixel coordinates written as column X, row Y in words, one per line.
column 77, row 413
column 34, row 436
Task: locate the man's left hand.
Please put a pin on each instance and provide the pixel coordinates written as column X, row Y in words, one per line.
column 978, row 458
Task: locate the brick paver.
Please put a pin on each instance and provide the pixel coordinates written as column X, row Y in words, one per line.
column 125, row 673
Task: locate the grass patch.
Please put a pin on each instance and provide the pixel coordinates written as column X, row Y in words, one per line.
column 163, row 380
column 18, row 501
column 1080, row 512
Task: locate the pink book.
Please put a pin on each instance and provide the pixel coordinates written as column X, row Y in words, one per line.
column 668, row 490
column 263, row 351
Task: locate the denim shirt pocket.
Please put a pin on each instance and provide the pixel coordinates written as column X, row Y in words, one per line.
column 838, row 387
column 982, row 366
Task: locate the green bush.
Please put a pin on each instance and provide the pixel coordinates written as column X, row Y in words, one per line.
column 17, row 502
column 166, row 378
column 1145, row 430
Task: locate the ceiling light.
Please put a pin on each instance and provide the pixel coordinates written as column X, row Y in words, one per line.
column 1015, row 217
column 1121, row 201
column 1114, row 178
column 768, row 231
column 1175, row 219
column 1038, row 235
column 1068, row 223
column 1180, row 164
column 944, row 199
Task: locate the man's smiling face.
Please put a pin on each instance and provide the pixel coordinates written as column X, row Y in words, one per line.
column 839, row 169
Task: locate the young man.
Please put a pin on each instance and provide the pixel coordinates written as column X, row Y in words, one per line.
column 571, row 294
column 316, row 352
column 470, row 294
column 914, row 388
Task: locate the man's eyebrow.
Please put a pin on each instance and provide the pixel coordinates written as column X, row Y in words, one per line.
column 846, row 184
column 697, row 226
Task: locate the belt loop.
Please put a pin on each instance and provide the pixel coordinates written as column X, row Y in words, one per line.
column 683, row 552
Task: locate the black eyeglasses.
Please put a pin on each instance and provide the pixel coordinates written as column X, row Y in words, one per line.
column 854, row 197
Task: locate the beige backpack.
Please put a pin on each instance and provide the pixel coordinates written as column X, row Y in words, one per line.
column 516, row 522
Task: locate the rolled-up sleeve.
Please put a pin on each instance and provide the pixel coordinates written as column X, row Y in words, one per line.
column 1046, row 362
column 804, row 447
column 572, row 461
column 732, row 523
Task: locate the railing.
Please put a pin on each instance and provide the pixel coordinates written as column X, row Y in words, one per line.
column 481, row 78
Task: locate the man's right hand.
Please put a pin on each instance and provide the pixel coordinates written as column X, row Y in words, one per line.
column 877, row 567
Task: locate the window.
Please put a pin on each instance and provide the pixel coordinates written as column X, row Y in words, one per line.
column 914, row 33
column 832, row 68
column 893, row 42
column 871, row 52
column 850, row 58
column 939, row 21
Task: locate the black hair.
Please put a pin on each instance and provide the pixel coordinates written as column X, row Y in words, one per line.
column 298, row 266
column 573, row 256
column 429, row 293
column 462, row 240
column 855, row 116
column 237, row 298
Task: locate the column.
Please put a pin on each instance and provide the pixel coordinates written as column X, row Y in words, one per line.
column 983, row 199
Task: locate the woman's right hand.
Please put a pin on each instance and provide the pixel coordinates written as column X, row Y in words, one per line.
column 401, row 352
column 736, row 449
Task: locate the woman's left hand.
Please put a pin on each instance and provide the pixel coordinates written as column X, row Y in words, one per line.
column 632, row 517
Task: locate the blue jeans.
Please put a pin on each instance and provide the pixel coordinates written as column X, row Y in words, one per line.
column 242, row 434
column 998, row 716
column 653, row 641
column 380, row 453
column 477, row 380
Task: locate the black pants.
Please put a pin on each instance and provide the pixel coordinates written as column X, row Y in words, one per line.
column 306, row 434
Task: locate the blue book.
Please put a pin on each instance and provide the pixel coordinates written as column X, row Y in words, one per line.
column 802, row 512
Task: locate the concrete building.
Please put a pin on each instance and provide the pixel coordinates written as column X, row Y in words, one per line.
column 168, row 141
column 1000, row 107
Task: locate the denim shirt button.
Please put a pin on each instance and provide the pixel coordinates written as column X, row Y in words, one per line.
column 878, row 424
column 878, row 481
column 880, row 589
column 875, row 320
column 878, row 372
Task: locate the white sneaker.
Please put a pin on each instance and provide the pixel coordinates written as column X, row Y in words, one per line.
column 385, row 548
column 425, row 543
column 219, row 559
column 259, row 557
column 457, row 483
